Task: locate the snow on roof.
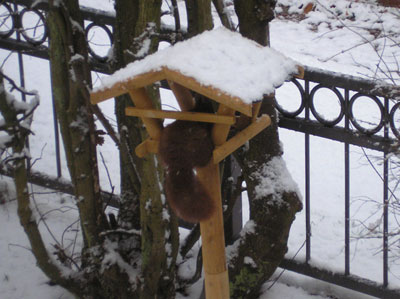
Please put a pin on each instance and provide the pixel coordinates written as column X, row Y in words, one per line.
column 219, row 58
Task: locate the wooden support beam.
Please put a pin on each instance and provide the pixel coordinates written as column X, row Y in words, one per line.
column 149, row 146
column 240, row 138
column 120, row 88
column 212, row 237
column 142, row 100
column 189, row 116
column 182, row 95
column 208, row 91
column 300, row 72
column 256, row 109
column 220, row 131
column 212, row 230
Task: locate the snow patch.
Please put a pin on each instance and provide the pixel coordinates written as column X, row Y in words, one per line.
column 165, row 214
column 4, row 140
column 249, row 261
column 76, row 25
column 274, row 179
column 232, row 250
column 113, row 257
column 76, row 57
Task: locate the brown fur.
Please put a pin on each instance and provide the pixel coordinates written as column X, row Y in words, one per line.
column 185, row 145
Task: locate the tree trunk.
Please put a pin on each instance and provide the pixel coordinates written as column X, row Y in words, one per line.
column 271, row 215
column 143, row 205
column 71, row 82
column 124, row 36
column 254, row 16
column 199, row 16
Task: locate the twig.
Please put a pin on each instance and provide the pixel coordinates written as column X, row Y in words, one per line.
column 283, row 271
column 377, row 172
column 40, row 157
column 106, row 124
column 65, row 231
column 15, row 86
column 109, row 180
column 5, row 59
column 62, row 248
column 20, row 246
column 63, row 209
column 42, row 218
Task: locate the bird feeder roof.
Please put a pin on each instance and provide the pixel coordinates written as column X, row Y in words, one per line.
column 220, row 64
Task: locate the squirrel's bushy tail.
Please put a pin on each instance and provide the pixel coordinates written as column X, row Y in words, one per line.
column 185, row 145
column 187, row 196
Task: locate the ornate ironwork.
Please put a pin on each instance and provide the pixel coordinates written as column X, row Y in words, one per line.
column 34, row 34
column 386, row 115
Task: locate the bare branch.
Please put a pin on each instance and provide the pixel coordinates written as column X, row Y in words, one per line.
column 25, row 213
column 17, row 87
column 106, row 124
column 175, row 12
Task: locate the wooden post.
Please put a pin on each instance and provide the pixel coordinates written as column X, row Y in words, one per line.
column 212, row 230
column 212, row 237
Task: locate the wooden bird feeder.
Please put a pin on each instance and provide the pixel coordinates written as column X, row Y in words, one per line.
column 165, row 65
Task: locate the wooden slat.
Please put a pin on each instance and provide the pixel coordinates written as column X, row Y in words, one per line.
column 182, row 95
column 149, row 146
column 189, row 116
column 240, row 138
column 120, row 88
column 209, row 91
column 142, row 100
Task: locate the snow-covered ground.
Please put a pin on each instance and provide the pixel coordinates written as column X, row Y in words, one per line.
column 338, row 37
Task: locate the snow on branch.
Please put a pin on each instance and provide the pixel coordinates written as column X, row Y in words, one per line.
column 16, row 118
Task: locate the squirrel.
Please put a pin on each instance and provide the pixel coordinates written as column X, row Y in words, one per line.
column 185, row 145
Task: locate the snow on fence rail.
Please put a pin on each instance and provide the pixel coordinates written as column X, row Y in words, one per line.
column 23, row 31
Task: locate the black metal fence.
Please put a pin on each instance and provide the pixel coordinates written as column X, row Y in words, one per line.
column 382, row 135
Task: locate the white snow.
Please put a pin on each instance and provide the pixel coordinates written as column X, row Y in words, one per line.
column 232, row 250
column 113, row 257
column 4, row 139
column 216, row 58
column 76, row 57
column 249, row 261
column 274, row 178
